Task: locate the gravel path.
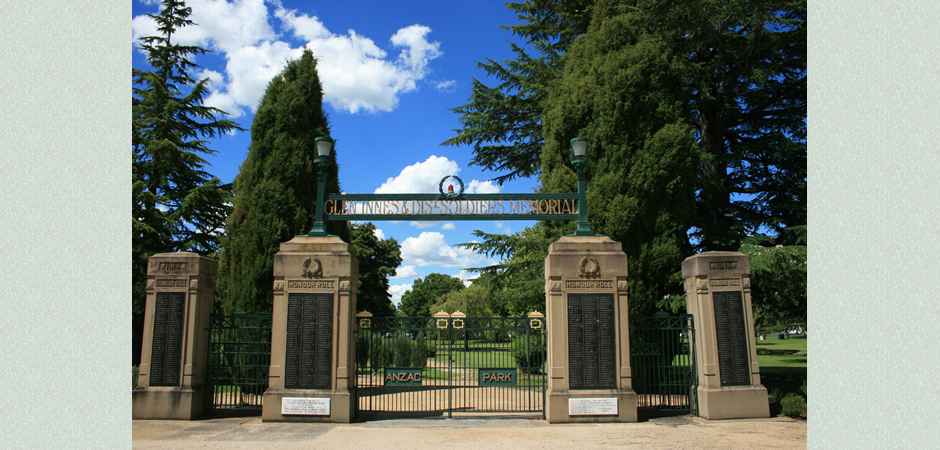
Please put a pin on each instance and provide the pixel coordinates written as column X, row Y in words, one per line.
column 470, row 433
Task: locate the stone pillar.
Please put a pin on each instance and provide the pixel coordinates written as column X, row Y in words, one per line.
column 718, row 296
column 315, row 281
column 174, row 354
column 587, row 275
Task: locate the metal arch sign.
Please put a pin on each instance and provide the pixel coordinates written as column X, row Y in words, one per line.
column 452, row 205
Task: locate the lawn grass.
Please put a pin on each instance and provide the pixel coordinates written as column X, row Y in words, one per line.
column 781, row 352
column 782, row 368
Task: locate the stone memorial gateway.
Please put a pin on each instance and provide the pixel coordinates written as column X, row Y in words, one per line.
column 330, row 362
column 172, row 373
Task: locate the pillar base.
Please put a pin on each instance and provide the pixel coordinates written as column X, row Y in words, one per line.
column 556, row 406
column 733, row 402
column 169, row 403
column 341, row 406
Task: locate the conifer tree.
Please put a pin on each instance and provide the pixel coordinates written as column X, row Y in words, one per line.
column 276, row 187
column 176, row 203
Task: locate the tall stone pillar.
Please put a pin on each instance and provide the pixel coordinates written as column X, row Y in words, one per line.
column 313, row 363
column 587, row 327
column 172, row 372
column 718, row 296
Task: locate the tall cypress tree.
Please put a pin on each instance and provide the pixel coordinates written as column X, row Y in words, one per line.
column 276, row 187
column 177, row 204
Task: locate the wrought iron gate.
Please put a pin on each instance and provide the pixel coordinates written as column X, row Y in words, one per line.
column 662, row 354
column 239, row 356
column 432, row 366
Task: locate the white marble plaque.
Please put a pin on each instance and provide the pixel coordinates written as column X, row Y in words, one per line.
column 305, row 406
column 592, row 406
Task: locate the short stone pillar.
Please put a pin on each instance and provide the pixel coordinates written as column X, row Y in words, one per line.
column 174, row 354
column 312, row 353
column 718, row 296
column 587, row 327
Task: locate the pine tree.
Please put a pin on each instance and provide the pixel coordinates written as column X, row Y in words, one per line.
column 503, row 123
column 176, row 203
column 276, row 187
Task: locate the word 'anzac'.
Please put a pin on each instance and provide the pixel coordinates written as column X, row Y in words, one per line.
column 453, row 207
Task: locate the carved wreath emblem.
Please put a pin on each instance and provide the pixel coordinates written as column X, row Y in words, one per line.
column 590, row 268
column 312, row 268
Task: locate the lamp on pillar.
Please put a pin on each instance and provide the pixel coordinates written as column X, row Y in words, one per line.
column 324, row 149
column 578, row 151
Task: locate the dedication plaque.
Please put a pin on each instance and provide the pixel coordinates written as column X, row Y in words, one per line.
column 592, row 406
column 305, row 406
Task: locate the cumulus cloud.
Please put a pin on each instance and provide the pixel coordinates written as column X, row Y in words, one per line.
column 405, row 272
column 431, row 249
column 397, row 290
column 379, row 234
column 448, row 226
column 424, row 177
column 482, row 187
column 421, row 224
column 356, row 74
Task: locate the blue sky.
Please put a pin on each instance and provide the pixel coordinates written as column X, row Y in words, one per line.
column 391, row 72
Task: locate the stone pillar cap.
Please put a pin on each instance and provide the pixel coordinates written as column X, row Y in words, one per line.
column 535, row 315
column 441, row 314
column 458, row 314
column 363, row 314
column 699, row 265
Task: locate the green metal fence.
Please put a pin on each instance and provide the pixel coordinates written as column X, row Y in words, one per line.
column 426, row 366
column 239, row 359
column 662, row 357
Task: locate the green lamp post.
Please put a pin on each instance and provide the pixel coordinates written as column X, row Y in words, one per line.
column 324, row 149
column 578, row 150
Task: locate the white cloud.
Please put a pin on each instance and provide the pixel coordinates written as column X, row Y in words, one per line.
column 355, row 73
column 420, row 177
column 379, row 234
column 482, row 187
column 431, row 249
column 467, row 277
column 405, row 272
column 397, row 290
column 417, row 51
column 421, row 224
column 445, row 85
column 219, row 24
column 448, row 226
column 424, row 177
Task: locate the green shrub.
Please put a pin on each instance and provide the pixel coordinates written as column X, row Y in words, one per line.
column 529, row 353
column 362, row 350
column 793, row 405
column 402, row 351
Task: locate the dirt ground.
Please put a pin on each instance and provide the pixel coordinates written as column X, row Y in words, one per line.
column 470, row 433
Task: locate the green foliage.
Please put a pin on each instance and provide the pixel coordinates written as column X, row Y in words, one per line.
column 378, row 259
column 529, row 352
column 793, row 405
column 276, row 187
column 427, row 291
column 694, row 111
column 516, row 284
column 473, row 301
column 778, row 283
column 175, row 203
column 503, row 123
column 400, row 351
